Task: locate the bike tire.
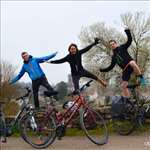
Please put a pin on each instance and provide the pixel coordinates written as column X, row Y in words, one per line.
column 97, row 123
column 24, row 125
column 126, row 122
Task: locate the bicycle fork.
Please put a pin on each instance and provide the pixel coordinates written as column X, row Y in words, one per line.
column 33, row 123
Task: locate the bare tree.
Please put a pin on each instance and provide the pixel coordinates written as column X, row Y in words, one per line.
column 139, row 23
column 7, row 72
column 100, row 55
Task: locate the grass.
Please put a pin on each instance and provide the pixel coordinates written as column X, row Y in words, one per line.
column 145, row 128
column 74, row 132
column 78, row 132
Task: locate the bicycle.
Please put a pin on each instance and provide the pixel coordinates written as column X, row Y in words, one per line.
column 54, row 123
column 134, row 112
column 26, row 110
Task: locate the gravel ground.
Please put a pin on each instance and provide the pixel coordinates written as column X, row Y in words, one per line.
column 116, row 142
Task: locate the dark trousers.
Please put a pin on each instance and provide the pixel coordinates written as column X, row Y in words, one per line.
column 83, row 73
column 35, row 86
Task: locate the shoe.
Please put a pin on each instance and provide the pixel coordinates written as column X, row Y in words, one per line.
column 142, row 81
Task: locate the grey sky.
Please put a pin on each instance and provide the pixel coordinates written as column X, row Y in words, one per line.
column 45, row 27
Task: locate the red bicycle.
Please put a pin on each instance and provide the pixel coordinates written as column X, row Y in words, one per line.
column 51, row 124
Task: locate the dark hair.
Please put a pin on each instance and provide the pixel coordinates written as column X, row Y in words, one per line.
column 112, row 41
column 72, row 44
column 23, row 53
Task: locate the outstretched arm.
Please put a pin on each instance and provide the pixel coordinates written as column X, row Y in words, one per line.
column 129, row 40
column 112, row 65
column 21, row 73
column 46, row 58
column 89, row 46
column 59, row 61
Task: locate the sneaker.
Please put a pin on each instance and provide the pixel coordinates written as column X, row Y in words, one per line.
column 142, row 81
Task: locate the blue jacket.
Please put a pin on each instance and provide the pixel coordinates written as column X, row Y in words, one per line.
column 33, row 68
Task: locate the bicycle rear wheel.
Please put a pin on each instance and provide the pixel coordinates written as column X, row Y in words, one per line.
column 38, row 130
column 94, row 126
column 125, row 123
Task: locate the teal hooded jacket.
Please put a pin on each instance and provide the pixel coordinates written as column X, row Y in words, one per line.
column 32, row 67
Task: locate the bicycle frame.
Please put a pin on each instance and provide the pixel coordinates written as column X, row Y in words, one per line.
column 79, row 102
column 140, row 109
column 135, row 96
column 64, row 119
column 17, row 117
column 25, row 107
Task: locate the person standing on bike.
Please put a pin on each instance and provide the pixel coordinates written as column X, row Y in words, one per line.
column 74, row 58
column 32, row 67
column 125, row 61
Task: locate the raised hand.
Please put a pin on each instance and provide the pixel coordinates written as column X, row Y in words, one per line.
column 55, row 53
column 96, row 40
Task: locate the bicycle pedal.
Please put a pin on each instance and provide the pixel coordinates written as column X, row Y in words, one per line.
column 60, row 131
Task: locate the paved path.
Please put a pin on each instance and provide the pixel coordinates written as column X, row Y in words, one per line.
column 116, row 142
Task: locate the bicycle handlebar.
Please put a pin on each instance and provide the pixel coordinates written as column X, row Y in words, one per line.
column 26, row 95
column 85, row 85
column 82, row 88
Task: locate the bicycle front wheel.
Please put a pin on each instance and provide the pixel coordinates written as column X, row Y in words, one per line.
column 38, row 130
column 94, row 126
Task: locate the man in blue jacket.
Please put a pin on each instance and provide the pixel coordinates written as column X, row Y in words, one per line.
column 32, row 67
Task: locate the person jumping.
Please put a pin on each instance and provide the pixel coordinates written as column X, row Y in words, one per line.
column 74, row 58
column 125, row 61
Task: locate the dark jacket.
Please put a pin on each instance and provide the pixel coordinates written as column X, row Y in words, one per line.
column 75, row 60
column 120, row 54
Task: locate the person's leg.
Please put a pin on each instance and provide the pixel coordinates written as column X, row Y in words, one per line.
column 75, row 80
column 138, row 72
column 87, row 74
column 45, row 83
column 35, row 88
column 135, row 67
column 125, row 90
column 125, row 78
